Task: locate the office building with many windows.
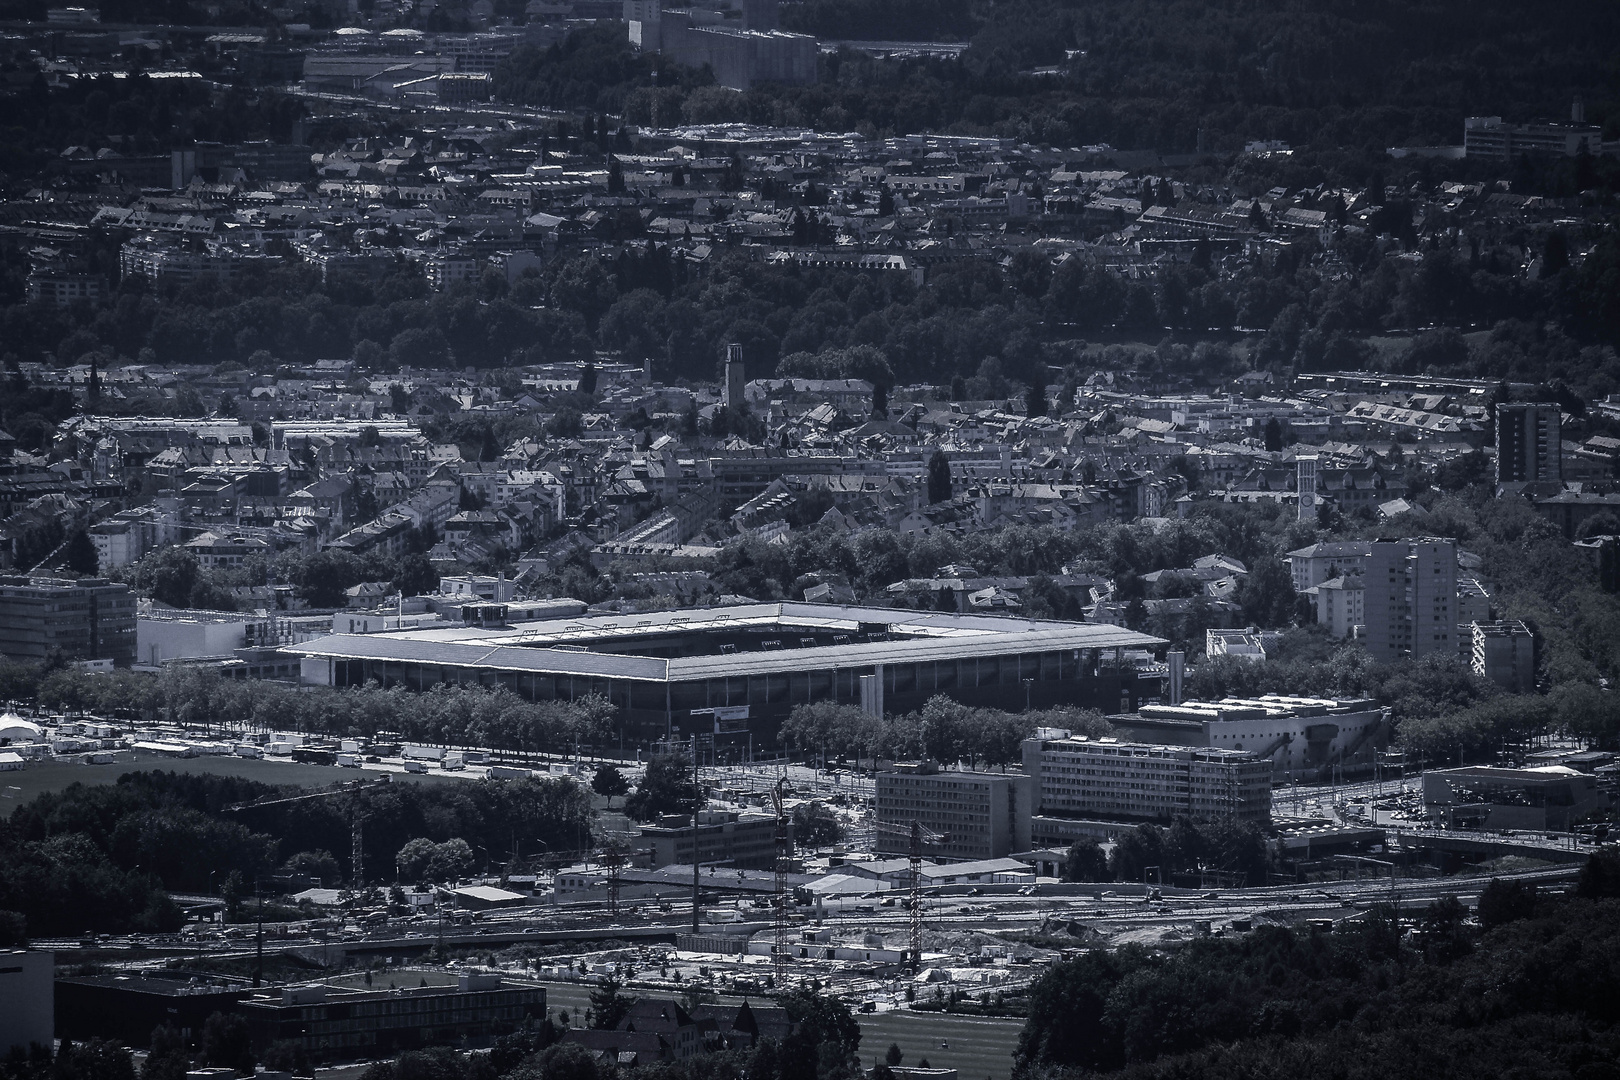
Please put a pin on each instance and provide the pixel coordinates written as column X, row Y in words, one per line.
column 1086, row 779
column 981, row 815
column 746, row 841
column 83, row 619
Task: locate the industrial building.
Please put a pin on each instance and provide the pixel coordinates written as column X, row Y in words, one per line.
column 734, row 673
column 27, row 1018
column 329, row 1021
column 980, row 815
column 1549, row 797
column 85, row 619
column 1302, row 737
column 746, row 841
column 1087, row 779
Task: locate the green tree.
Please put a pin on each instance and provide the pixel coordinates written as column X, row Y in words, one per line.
column 1067, row 1002
column 608, row 1004
column 1443, row 931
column 1600, row 875
column 166, row 1056
column 1502, row 902
column 667, row 787
column 1086, row 861
column 227, row 1043
column 1140, row 855
column 609, row 782
column 169, row 575
column 815, row 825
column 939, row 477
column 824, row 1039
column 80, row 555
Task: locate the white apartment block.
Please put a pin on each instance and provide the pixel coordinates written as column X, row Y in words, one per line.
column 1410, row 598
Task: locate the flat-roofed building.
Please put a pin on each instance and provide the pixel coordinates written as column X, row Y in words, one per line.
column 746, row 841
column 1302, row 737
column 734, row 673
column 1505, row 653
column 1529, row 445
column 982, row 815
column 1549, row 797
column 1084, row 778
column 1490, row 137
column 328, row 1021
column 127, row 1007
column 85, row 619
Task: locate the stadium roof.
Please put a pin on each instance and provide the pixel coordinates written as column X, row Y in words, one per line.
column 565, row 646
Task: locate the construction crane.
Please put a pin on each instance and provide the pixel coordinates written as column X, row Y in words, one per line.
column 784, row 854
column 917, row 838
column 357, row 873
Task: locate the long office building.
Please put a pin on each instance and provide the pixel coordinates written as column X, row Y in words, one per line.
column 127, row 1007
column 734, row 673
column 1106, row 780
column 332, row 1022
column 980, row 815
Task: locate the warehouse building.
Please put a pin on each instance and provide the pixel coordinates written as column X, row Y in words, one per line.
column 734, row 673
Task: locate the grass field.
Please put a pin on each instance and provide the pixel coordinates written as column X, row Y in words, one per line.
column 977, row 1046
column 22, row 785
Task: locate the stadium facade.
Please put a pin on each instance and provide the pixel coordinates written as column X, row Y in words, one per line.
column 736, row 672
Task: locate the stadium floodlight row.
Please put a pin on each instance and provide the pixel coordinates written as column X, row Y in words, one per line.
column 736, row 672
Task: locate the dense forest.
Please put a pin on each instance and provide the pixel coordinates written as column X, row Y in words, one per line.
column 1529, row 989
column 104, row 857
column 974, row 319
column 1353, row 78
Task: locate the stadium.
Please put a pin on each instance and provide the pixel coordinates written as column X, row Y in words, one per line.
column 736, row 672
